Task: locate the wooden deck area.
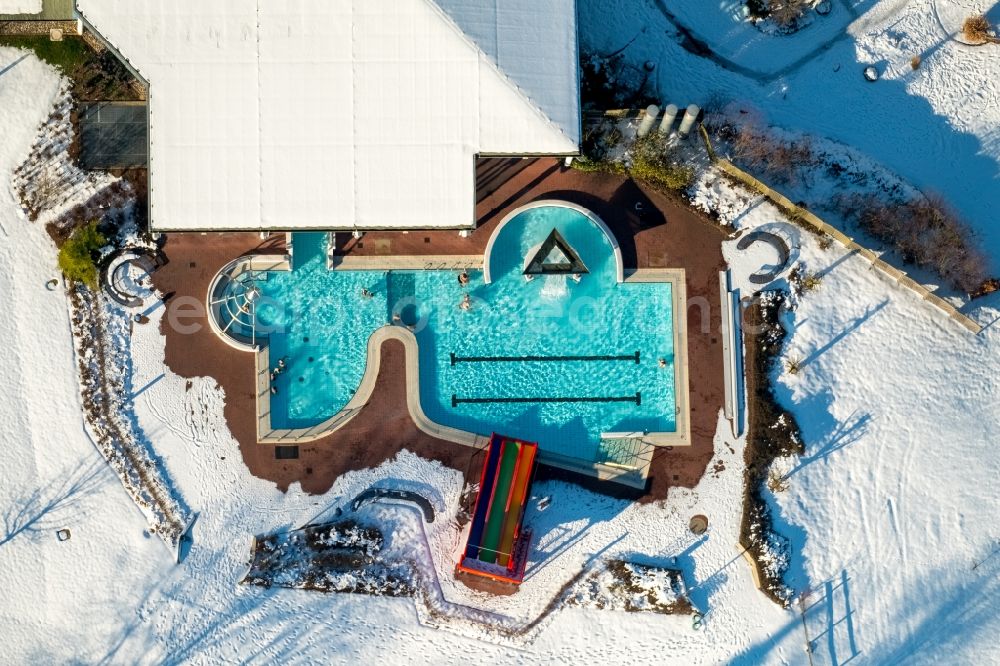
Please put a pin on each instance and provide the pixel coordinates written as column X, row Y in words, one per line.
column 658, row 233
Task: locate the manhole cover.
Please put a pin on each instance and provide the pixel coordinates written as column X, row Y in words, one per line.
column 698, row 524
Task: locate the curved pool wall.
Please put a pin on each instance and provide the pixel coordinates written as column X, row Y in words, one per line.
column 219, row 320
column 318, row 321
column 548, row 215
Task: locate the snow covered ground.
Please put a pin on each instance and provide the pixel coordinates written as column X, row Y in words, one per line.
column 113, row 592
column 937, row 126
column 20, row 6
column 892, row 510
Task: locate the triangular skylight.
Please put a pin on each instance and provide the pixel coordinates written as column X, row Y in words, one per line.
column 555, row 257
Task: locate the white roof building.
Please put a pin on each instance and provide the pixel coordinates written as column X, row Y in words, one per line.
column 341, row 114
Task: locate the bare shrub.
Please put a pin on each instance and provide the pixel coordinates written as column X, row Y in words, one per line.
column 793, row 365
column 750, row 147
column 977, row 29
column 771, row 432
column 987, row 287
column 927, row 233
column 787, row 13
column 772, row 158
column 811, row 282
column 44, row 195
column 115, row 196
column 776, row 482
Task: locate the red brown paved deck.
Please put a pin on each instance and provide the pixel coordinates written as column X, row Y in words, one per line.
column 381, row 429
column 668, row 234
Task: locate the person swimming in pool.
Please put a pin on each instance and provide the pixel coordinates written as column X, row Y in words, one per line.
column 662, row 362
column 466, row 303
column 463, row 278
column 366, row 293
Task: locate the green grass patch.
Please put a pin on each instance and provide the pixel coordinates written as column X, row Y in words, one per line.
column 66, row 55
column 95, row 77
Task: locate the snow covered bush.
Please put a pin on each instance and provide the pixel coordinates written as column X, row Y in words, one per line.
column 51, row 186
column 772, row 433
column 333, row 557
column 854, row 194
column 101, row 332
column 770, row 550
column 776, row 481
column 780, row 16
column 773, row 430
column 629, row 586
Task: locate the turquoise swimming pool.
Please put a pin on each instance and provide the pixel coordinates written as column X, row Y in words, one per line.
column 555, row 358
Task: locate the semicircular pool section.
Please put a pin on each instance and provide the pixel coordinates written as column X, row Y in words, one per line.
column 520, row 237
column 557, row 358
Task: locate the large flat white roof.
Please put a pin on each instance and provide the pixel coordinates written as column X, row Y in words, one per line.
column 335, row 114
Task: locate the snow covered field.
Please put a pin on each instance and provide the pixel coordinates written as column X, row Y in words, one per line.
column 937, row 126
column 892, row 510
column 113, row 592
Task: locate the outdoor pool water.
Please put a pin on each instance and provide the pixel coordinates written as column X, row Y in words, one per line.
column 319, row 321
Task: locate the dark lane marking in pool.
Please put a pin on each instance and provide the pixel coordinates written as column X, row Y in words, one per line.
column 637, row 399
column 524, row 359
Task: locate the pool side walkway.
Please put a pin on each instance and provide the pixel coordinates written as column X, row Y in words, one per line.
column 381, row 428
column 653, row 232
